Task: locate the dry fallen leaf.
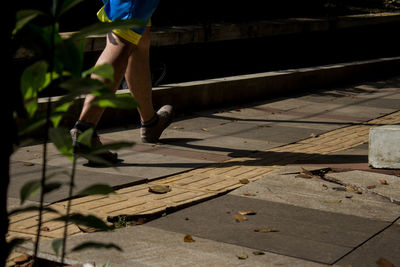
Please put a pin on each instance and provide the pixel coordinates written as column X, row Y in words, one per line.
column 352, row 189
column 249, row 194
column 314, row 135
column 87, row 229
column 188, row 239
column 22, row 259
column 266, row 230
column 159, row 189
column 240, row 218
column 305, row 174
column 371, row 186
column 247, row 212
column 205, row 129
column 244, row 181
column 384, row 182
column 178, row 127
column 382, row 262
column 257, row 252
column 242, row 256
column 45, row 228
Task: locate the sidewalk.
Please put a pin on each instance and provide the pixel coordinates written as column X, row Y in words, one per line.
column 249, row 157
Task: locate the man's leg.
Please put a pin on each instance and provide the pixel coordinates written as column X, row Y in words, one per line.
column 116, row 53
column 138, row 78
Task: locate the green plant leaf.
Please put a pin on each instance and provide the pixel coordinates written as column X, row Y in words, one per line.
column 105, row 71
column 97, row 189
column 49, row 187
column 62, row 140
column 86, row 137
column 85, row 220
column 56, row 244
column 78, row 87
column 34, row 79
column 25, row 16
column 29, row 189
column 96, row 245
column 104, row 28
column 69, row 53
column 61, row 109
column 121, row 101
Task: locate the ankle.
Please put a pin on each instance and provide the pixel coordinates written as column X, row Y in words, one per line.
column 83, row 126
column 150, row 123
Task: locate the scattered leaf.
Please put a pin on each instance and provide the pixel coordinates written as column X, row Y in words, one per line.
column 244, row 181
column 159, row 189
column 334, row 201
column 325, row 187
column 237, row 110
column 45, row 228
column 188, row 239
column 348, row 196
column 242, row 256
column 240, row 218
column 205, row 129
column 87, row 229
column 384, row 182
column 305, row 174
column 247, row 212
column 314, row 135
column 266, row 230
column 352, row 189
column 371, row 186
column 178, row 127
column 257, row 252
column 28, row 164
column 22, row 259
column 249, row 194
column 382, row 262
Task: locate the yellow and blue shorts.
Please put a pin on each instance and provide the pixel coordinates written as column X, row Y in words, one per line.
column 128, row 9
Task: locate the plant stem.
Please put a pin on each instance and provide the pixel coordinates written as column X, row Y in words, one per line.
column 43, row 180
column 46, row 139
column 71, row 187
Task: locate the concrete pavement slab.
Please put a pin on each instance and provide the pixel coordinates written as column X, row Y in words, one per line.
column 384, row 247
column 387, row 186
column 149, row 246
column 303, row 233
column 282, row 186
column 22, row 174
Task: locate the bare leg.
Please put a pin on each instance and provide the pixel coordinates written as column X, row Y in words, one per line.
column 138, row 77
column 116, row 52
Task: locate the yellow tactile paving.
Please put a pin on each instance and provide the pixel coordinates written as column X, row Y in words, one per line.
column 197, row 184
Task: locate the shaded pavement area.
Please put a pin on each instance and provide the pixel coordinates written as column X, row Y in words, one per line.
column 246, row 184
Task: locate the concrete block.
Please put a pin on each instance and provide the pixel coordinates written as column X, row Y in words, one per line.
column 384, row 147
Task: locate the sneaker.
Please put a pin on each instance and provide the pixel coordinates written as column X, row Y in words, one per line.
column 151, row 134
column 107, row 156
